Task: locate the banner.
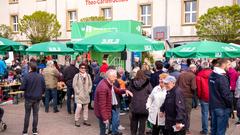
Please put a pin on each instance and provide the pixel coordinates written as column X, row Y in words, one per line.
column 82, row 30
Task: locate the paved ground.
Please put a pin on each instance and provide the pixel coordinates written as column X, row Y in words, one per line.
column 63, row 123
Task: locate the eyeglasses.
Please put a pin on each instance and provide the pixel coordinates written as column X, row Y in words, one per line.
column 82, row 68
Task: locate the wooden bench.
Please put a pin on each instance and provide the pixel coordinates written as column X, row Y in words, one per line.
column 15, row 95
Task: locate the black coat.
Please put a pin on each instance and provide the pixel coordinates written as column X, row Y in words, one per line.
column 154, row 79
column 68, row 75
column 219, row 89
column 33, row 86
column 174, row 108
column 141, row 89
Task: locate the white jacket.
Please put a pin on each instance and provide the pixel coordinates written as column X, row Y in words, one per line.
column 154, row 102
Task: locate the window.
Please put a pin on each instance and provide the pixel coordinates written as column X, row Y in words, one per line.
column 13, row 1
column 190, row 11
column 14, row 23
column 107, row 13
column 71, row 17
column 146, row 15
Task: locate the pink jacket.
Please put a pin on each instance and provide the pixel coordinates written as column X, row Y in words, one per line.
column 233, row 76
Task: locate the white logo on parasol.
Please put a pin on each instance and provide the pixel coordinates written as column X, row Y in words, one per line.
column 110, row 41
column 187, row 49
column 54, row 49
column 229, row 48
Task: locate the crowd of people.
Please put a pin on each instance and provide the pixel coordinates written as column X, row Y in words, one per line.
column 161, row 97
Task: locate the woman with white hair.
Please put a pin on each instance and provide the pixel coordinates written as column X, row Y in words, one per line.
column 154, row 102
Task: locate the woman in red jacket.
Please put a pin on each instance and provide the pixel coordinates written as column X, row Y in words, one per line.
column 203, row 94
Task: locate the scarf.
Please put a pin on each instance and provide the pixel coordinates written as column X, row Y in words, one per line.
column 85, row 80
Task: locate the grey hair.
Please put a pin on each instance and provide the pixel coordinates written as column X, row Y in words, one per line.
column 192, row 66
column 50, row 63
column 205, row 64
column 111, row 72
column 177, row 67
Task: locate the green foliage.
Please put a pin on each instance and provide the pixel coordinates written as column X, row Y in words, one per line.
column 5, row 31
column 39, row 27
column 149, row 56
column 220, row 24
column 93, row 18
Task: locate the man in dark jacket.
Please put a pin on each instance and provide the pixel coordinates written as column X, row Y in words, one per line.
column 203, row 94
column 220, row 98
column 154, row 79
column 68, row 74
column 174, row 108
column 34, row 86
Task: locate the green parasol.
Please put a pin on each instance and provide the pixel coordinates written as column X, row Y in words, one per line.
column 9, row 45
column 49, row 48
column 117, row 42
column 204, row 49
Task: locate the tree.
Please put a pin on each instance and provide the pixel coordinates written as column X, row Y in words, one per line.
column 220, row 24
column 93, row 18
column 40, row 26
column 5, row 31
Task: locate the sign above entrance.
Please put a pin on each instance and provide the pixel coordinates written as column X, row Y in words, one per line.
column 81, row 30
column 98, row 2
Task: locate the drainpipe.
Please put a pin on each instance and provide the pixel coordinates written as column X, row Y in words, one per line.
column 166, row 12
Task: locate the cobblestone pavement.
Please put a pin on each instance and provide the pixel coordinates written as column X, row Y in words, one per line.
column 63, row 124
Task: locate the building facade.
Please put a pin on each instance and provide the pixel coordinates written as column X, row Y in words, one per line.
column 162, row 19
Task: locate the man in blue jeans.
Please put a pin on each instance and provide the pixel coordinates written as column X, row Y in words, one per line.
column 68, row 74
column 202, row 79
column 220, row 100
column 34, row 86
column 51, row 75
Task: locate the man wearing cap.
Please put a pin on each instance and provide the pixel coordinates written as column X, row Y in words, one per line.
column 187, row 83
column 174, row 115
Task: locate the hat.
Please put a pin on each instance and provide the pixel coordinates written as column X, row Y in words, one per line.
column 169, row 79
